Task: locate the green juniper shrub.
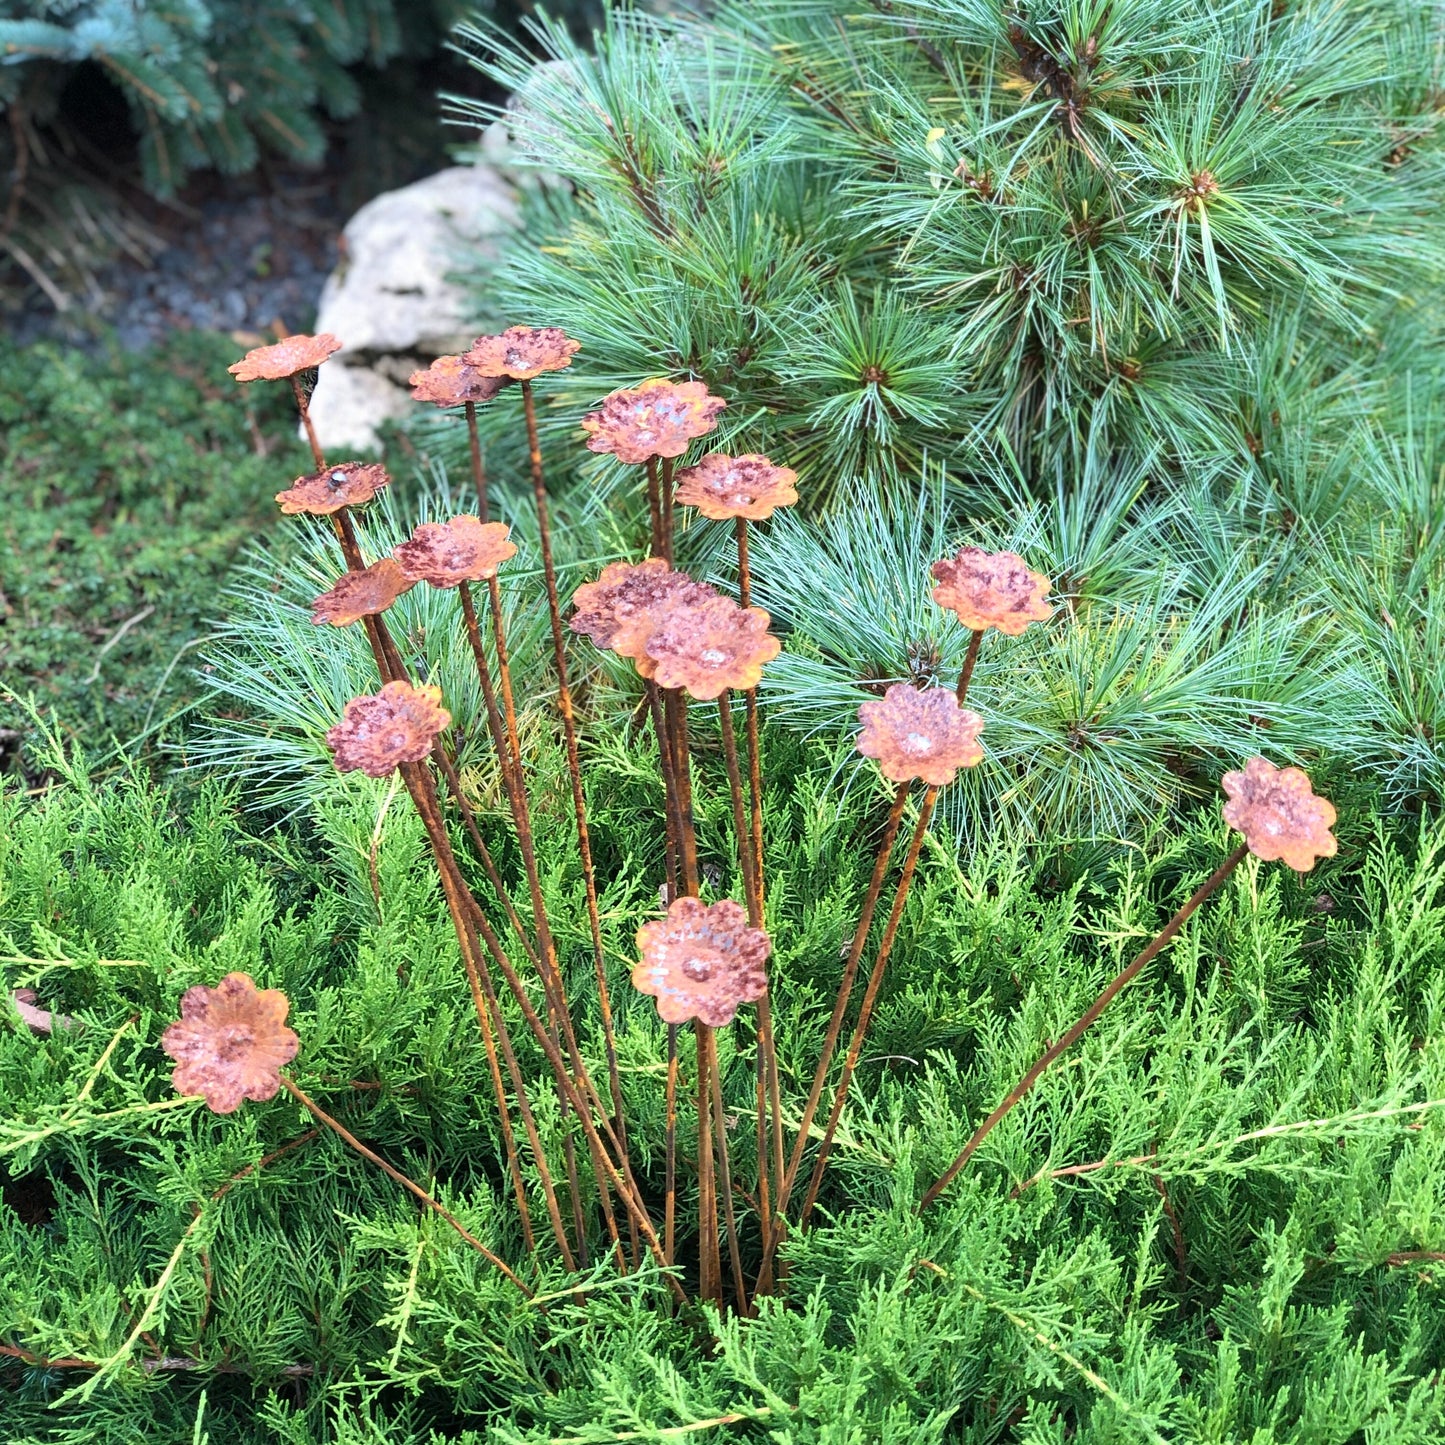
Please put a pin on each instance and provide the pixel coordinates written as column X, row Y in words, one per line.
column 129, row 484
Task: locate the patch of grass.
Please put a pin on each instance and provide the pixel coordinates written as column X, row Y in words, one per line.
column 127, row 485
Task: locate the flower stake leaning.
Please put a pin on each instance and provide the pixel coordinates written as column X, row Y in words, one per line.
column 1281, row 817
column 231, row 1043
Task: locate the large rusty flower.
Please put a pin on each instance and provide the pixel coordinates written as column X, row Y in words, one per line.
column 231, row 1043
column 701, row 962
column 355, row 595
column 658, row 419
column 618, row 610
column 708, row 644
column 450, row 381
column 464, row 549
column 288, row 357
column 522, row 352
column 750, row 486
column 991, row 589
column 1279, row 814
column 399, row 724
column 919, row 733
column 349, row 485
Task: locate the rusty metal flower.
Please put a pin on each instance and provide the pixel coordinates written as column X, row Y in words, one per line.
column 991, row 589
column 450, row 381
column 522, row 352
column 708, row 644
column 750, row 486
column 349, row 485
column 464, row 549
column 382, row 729
column 617, row 611
column 1279, row 814
column 701, row 962
column 658, row 419
column 919, row 733
column 361, row 594
column 231, row 1043
column 288, row 357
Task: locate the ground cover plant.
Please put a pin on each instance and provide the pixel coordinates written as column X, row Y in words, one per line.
column 795, row 922
column 129, row 485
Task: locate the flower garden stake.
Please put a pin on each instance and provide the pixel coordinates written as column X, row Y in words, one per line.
column 231, row 1043
column 1281, row 818
column 746, row 489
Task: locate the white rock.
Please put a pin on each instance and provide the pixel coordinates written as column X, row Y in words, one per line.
column 390, row 300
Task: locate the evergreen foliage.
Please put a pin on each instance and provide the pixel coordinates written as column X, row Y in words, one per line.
column 1256, row 1255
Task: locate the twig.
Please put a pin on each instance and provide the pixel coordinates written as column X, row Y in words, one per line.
column 116, row 637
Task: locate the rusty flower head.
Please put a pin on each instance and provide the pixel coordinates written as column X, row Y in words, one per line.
column 361, row 594
column 991, row 589
column 658, row 419
column 701, row 962
column 919, row 733
column 399, row 724
column 723, row 487
column 522, row 352
column 619, row 609
column 348, row 485
column 288, row 357
column 708, row 644
column 1279, row 814
column 465, row 549
column 450, row 381
column 230, row 1043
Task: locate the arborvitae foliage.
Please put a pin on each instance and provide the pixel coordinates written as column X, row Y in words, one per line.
column 1254, row 1251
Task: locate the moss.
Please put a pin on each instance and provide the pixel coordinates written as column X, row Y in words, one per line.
column 127, row 485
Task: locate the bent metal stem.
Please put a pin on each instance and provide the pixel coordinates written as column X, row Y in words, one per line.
column 1066, row 1041
column 353, row 1142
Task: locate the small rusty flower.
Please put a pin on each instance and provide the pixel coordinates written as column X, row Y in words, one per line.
column 701, row 962
column 355, row 595
column 1279, row 814
column 230, row 1043
column 349, row 485
column 399, row 724
column 658, row 419
column 450, row 381
column 708, row 644
column 618, row 610
column 919, row 733
column 288, row 357
column 722, row 487
column 991, row 589
column 464, row 549
column 522, row 352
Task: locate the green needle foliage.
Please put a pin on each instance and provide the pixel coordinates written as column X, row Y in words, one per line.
column 1253, row 1252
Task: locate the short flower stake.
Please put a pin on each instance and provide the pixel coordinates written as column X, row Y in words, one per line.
column 707, row 645
column 447, row 554
column 746, row 488
column 453, row 381
column 379, row 732
column 521, row 353
column 658, row 420
column 702, row 962
column 349, row 484
column 1279, row 814
column 288, row 357
column 920, row 733
column 231, row 1043
column 991, row 589
column 1282, row 818
column 355, row 595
